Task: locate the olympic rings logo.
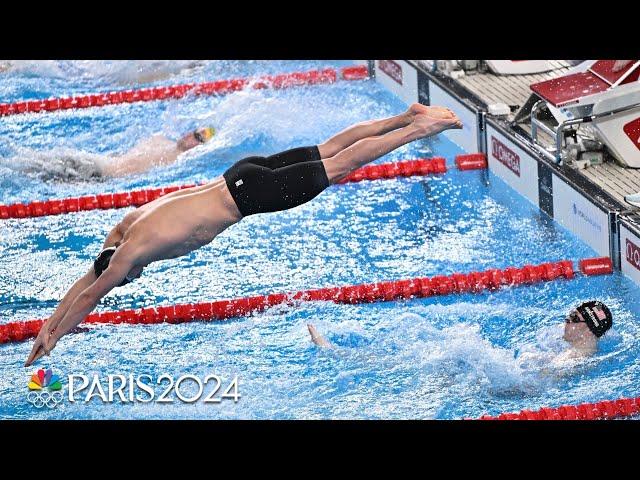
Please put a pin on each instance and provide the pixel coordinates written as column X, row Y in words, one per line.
column 44, row 399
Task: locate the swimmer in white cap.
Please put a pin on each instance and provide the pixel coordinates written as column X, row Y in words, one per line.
column 178, row 223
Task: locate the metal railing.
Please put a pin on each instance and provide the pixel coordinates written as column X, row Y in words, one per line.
column 557, row 154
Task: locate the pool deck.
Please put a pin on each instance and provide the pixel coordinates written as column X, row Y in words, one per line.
column 589, row 202
column 514, row 90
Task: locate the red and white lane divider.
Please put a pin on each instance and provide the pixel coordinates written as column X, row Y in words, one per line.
column 219, row 87
column 136, row 198
column 474, row 282
column 471, row 161
column 606, row 409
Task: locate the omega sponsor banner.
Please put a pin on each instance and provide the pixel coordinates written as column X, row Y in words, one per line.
column 580, row 216
column 399, row 77
column 505, row 155
column 513, row 165
column 467, row 137
column 630, row 254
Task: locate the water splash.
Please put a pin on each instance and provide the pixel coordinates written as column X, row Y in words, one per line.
column 58, row 164
column 118, row 72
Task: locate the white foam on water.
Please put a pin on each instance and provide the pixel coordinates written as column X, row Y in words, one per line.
column 456, row 356
column 113, row 71
column 57, row 164
column 273, row 117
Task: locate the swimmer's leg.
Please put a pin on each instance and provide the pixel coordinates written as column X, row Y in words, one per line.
column 374, row 128
column 371, row 148
column 260, row 189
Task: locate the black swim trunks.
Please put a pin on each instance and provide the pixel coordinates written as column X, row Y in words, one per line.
column 278, row 182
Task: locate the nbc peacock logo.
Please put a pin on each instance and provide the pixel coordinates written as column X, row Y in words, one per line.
column 45, row 389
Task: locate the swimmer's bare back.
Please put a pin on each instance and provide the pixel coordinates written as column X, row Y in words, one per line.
column 177, row 224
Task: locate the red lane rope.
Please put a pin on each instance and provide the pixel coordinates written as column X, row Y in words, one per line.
column 220, row 87
column 606, row 409
column 136, row 198
column 474, row 282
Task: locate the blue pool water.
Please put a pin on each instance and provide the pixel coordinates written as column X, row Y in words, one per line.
column 443, row 357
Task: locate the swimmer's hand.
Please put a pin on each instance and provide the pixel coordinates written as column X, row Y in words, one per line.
column 39, row 346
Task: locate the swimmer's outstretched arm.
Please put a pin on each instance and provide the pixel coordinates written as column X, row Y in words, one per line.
column 53, row 321
column 84, row 302
column 317, row 338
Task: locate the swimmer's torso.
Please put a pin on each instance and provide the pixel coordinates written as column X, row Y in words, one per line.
column 172, row 227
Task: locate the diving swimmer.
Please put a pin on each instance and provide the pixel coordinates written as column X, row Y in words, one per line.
column 185, row 220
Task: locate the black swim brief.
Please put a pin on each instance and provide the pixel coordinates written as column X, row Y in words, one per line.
column 278, row 182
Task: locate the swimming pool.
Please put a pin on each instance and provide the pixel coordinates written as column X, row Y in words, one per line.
column 441, row 357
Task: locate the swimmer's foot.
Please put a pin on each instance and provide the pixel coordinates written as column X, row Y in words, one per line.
column 430, row 110
column 195, row 138
column 428, row 125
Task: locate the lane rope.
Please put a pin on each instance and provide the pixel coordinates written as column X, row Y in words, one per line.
column 602, row 410
column 136, row 198
column 473, row 282
column 219, row 87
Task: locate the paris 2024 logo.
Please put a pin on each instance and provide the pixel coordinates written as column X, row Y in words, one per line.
column 45, row 389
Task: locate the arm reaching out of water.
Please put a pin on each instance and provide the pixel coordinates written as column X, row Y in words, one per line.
column 317, row 338
column 81, row 299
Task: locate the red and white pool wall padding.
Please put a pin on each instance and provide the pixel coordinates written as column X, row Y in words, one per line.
column 474, row 282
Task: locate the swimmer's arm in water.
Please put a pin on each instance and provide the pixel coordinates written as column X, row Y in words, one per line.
column 155, row 151
column 561, row 365
column 317, row 338
column 120, row 265
column 151, row 152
